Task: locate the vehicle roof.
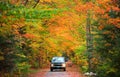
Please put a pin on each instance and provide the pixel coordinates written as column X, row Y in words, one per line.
column 58, row 57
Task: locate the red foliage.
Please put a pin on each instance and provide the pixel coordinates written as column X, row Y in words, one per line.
column 115, row 9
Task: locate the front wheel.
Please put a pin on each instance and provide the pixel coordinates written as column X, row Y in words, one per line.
column 64, row 69
column 51, row 69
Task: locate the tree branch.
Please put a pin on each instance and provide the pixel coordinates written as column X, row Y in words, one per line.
column 36, row 3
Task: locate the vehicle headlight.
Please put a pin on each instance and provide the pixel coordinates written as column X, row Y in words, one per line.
column 64, row 65
column 52, row 65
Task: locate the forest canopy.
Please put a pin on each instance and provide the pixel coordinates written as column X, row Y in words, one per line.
column 33, row 31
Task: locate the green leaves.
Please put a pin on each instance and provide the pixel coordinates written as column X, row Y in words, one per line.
column 40, row 14
column 22, row 12
column 5, row 6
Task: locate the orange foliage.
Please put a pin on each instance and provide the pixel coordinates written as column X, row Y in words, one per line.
column 103, row 2
column 108, row 9
column 115, row 22
column 4, row 17
column 3, row 24
column 113, row 36
column 14, row 1
column 67, row 36
column 107, row 44
column 28, row 35
column 100, row 27
column 102, row 10
column 64, row 24
column 67, row 18
column 17, row 25
column 106, row 16
column 94, row 60
column 81, row 8
column 106, row 32
column 84, row 7
column 114, row 8
column 99, row 10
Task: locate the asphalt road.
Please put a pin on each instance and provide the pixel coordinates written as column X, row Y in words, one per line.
column 71, row 71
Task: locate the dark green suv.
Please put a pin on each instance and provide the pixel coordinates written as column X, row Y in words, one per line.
column 58, row 63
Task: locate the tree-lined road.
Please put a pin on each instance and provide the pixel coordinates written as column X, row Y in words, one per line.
column 72, row 71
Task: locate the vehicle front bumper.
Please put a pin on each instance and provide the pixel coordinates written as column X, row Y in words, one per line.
column 57, row 67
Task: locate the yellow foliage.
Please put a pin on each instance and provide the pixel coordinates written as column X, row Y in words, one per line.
column 21, row 55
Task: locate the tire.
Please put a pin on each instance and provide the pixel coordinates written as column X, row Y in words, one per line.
column 51, row 69
column 64, row 69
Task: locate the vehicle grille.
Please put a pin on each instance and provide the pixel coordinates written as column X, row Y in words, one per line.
column 58, row 64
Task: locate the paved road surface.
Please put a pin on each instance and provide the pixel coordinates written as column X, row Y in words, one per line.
column 72, row 71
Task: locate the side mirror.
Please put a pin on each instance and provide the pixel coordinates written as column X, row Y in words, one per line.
column 66, row 59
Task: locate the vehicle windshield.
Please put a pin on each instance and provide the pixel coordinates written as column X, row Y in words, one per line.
column 58, row 59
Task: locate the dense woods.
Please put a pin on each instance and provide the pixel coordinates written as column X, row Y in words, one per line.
column 33, row 31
